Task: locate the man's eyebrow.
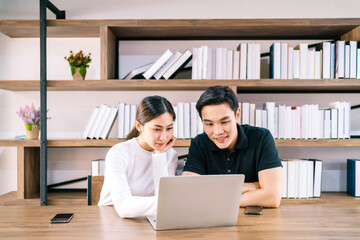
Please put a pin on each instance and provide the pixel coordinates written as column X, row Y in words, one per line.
column 224, row 118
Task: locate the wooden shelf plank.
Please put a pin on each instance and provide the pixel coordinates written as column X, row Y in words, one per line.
column 303, row 28
column 310, row 85
column 179, row 143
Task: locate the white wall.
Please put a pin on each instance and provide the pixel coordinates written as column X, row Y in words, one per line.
column 19, row 59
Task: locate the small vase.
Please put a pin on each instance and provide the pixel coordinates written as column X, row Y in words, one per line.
column 32, row 130
column 78, row 73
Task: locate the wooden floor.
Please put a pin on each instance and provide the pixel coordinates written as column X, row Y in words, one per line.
column 79, row 198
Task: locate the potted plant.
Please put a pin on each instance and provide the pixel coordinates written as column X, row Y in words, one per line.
column 78, row 63
column 31, row 117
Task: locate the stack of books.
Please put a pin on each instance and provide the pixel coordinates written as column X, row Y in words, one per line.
column 98, row 167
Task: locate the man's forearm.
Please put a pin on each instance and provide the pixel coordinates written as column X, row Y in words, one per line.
column 260, row 197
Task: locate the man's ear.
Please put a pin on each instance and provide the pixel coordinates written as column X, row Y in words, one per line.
column 238, row 115
column 138, row 126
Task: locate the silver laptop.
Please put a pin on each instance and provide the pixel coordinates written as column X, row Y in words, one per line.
column 198, row 201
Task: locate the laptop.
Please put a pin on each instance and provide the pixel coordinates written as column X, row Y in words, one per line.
column 198, row 201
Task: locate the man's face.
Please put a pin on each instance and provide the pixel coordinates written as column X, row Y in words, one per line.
column 220, row 124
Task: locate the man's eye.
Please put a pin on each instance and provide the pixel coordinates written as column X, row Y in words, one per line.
column 224, row 122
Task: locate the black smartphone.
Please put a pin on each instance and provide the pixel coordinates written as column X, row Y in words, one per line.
column 253, row 210
column 62, row 218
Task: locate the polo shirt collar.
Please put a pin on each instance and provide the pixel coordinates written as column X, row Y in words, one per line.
column 242, row 141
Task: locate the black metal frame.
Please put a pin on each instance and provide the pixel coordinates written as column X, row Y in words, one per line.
column 43, row 96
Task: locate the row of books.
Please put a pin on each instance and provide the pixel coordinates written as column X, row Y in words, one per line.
column 100, row 122
column 301, row 178
column 353, row 177
column 98, row 167
column 300, row 122
column 338, row 59
column 166, row 66
column 223, row 63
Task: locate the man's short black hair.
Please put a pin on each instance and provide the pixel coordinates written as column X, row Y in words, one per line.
column 217, row 95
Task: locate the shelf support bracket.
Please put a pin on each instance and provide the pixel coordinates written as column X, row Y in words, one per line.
column 59, row 13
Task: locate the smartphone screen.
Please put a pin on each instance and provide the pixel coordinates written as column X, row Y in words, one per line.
column 253, row 210
column 62, row 218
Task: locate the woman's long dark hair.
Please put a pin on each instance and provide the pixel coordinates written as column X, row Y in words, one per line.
column 149, row 108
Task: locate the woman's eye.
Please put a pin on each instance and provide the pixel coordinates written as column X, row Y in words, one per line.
column 157, row 129
column 168, row 129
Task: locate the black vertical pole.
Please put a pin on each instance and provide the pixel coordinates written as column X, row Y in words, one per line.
column 43, row 106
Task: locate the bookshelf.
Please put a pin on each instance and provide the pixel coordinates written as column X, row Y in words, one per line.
column 110, row 31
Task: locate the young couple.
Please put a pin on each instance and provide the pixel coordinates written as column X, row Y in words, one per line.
column 133, row 168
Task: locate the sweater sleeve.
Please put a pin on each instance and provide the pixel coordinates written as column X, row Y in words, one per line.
column 126, row 205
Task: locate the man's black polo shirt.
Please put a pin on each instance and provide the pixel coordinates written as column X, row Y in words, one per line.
column 254, row 151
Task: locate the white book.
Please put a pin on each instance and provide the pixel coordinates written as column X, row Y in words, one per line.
column 284, row 60
column 102, row 122
column 109, row 123
column 126, row 120
column 327, row 123
column 264, row 117
column 311, row 64
column 304, row 122
column 97, row 121
column 243, row 60
column 293, row 124
column 250, row 53
column 275, row 60
column 303, row 58
column 290, row 63
column 178, row 65
column 236, row 65
column 310, row 178
column 347, row 112
column 175, row 124
column 98, row 167
column 288, row 122
column 352, row 58
column 317, row 74
column 158, row 64
column 211, row 63
column 291, row 179
column 218, row 71
column 320, row 129
column 358, row 64
column 317, row 177
column 138, row 71
column 132, row 116
column 297, row 122
column 195, row 62
column 347, row 61
column 276, row 122
column 205, row 62
column 270, row 107
column 180, row 107
column 285, row 178
column 245, row 108
column 309, row 119
column 194, row 119
column 252, row 114
column 334, row 123
column 229, row 64
column 200, row 63
column 258, row 116
column 339, row 59
column 186, row 120
column 297, row 178
column 167, row 65
column 296, row 64
column 332, row 60
column 303, row 181
column 340, row 117
column 256, row 61
column 200, row 125
column 326, row 59
column 223, row 62
column 121, row 120
column 314, row 120
column 89, row 123
column 281, row 121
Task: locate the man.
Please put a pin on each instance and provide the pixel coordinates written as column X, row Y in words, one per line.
column 227, row 147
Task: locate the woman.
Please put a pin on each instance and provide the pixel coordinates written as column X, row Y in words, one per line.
column 133, row 168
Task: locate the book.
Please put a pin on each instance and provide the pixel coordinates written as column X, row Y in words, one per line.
column 126, row 120
column 98, row 167
column 180, row 119
column 353, row 177
column 352, row 59
column 137, row 72
column 275, row 60
column 178, row 65
column 243, row 62
column 303, row 59
column 121, row 120
column 256, row 61
column 339, row 59
column 186, row 117
column 90, row 122
column 285, row 178
column 102, row 122
column 284, row 55
column 195, row 62
column 109, row 123
column 296, row 64
column 193, row 120
column 97, row 121
column 158, row 64
column 175, row 124
column 167, row 65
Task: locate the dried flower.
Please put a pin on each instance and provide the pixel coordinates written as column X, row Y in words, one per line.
column 29, row 114
column 79, row 59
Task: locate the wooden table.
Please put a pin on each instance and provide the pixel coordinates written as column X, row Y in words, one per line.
column 92, row 222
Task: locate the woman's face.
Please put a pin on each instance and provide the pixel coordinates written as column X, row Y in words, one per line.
column 155, row 134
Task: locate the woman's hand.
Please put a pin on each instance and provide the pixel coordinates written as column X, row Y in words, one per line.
column 167, row 146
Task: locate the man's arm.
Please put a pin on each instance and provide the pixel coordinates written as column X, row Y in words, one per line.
column 187, row 173
column 266, row 193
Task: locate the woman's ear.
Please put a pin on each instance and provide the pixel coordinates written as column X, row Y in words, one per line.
column 138, row 126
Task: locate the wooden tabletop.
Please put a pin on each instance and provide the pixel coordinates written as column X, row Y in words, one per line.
column 92, row 222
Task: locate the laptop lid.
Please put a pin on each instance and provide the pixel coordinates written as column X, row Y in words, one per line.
column 199, row 201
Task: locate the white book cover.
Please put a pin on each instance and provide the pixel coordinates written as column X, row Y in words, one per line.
column 270, row 107
column 281, row 124
column 158, row 64
column 296, row 64
column 314, row 120
column 243, row 60
column 276, row 122
column 340, row 117
column 347, row 61
column 256, row 61
column 332, row 60
column 109, row 123
column 290, row 63
column 285, row 178
column 347, row 112
column 89, row 123
column 98, row 167
column 137, row 71
column 102, row 122
column 311, row 64
column 264, row 117
column 326, row 59
column 195, row 62
column 310, row 178
column 252, row 114
column 126, row 120
column 245, row 113
column 291, row 178
column 97, row 121
column 303, row 181
column 187, row 120
column 236, row 65
column 121, row 120
column 205, row 60
column 167, row 65
column 309, row 118
column 318, row 165
column 175, row 126
column 334, row 123
column 229, row 64
column 297, row 125
column 200, row 63
column 303, row 121
column 218, row 72
column 340, row 59
column 303, row 59
column 288, row 122
column 317, row 74
column 284, row 60
column 320, row 129
column 181, row 62
column 250, row 53
column 358, row 65
column 194, row 119
column 275, row 60
column 353, row 54
column 211, row 63
column 132, row 116
column 200, row 125
column 297, row 179
column 258, row 116
column 223, row 62
column 293, row 124
column 180, row 107
column 327, row 123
